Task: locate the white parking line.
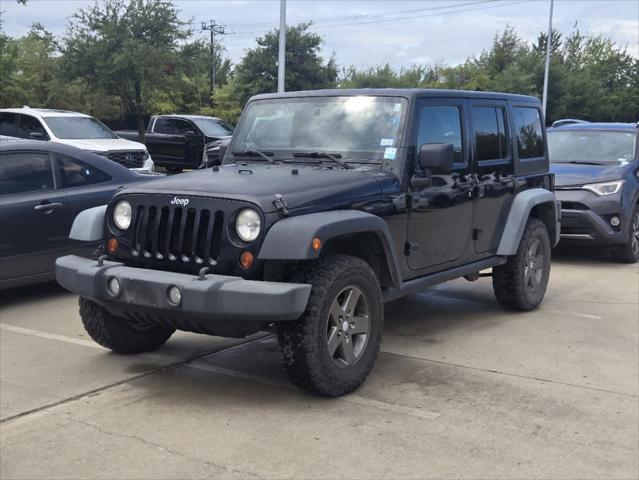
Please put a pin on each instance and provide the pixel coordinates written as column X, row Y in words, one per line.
column 50, row 336
column 574, row 314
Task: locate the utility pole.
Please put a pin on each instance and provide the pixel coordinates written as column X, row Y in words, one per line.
column 281, row 57
column 213, row 28
column 547, row 69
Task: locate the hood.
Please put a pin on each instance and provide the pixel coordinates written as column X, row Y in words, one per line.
column 105, row 144
column 568, row 174
column 259, row 184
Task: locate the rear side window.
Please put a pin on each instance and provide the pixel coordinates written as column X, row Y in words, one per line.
column 75, row 173
column 528, row 132
column 441, row 124
column 9, row 125
column 22, row 172
column 490, row 133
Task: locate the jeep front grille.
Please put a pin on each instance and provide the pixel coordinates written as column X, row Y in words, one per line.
column 183, row 235
column 127, row 159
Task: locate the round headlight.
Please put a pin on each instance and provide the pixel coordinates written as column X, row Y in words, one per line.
column 247, row 224
column 122, row 215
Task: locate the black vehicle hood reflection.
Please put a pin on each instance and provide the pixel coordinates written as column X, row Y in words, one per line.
column 567, row 174
column 259, row 183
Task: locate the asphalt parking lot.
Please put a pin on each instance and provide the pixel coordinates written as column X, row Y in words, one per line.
column 461, row 389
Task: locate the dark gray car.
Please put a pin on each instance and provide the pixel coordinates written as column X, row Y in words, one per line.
column 43, row 186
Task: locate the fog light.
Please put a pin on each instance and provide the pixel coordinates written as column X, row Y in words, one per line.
column 614, row 221
column 114, row 286
column 174, row 295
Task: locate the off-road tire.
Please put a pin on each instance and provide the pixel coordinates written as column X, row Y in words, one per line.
column 509, row 280
column 115, row 333
column 305, row 353
column 629, row 251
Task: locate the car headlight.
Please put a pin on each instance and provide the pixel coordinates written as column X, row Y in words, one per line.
column 606, row 188
column 122, row 215
column 247, row 224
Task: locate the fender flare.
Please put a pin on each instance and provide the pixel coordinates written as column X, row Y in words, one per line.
column 88, row 225
column 291, row 238
column 519, row 213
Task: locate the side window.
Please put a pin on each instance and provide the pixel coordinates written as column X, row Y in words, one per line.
column 441, row 124
column 163, row 125
column 29, row 125
column 22, row 172
column 181, row 127
column 9, row 125
column 75, row 173
column 490, row 134
column 528, row 131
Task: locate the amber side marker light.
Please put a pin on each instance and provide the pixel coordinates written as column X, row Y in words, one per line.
column 112, row 245
column 246, row 260
column 317, row 244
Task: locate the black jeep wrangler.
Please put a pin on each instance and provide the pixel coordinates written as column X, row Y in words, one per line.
column 328, row 204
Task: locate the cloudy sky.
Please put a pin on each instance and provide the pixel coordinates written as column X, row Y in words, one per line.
column 371, row 32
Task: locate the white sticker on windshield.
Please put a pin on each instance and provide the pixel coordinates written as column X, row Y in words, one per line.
column 386, row 142
column 397, row 107
column 390, row 153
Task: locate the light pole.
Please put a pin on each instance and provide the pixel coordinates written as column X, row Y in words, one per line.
column 281, row 54
column 213, row 28
column 546, row 70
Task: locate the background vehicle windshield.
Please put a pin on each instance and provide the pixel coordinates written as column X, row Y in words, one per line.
column 213, row 128
column 78, row 128
column 596, row 146
column 358, row 127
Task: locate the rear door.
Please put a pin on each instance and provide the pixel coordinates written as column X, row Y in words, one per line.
column 493, row 159
column 33, row 214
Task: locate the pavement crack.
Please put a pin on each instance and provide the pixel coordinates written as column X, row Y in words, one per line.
column 159, row 446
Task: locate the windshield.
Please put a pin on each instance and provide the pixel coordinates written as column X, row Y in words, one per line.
column 78, row 128
column 364, row 128
column 213, row 128
column 591, row 146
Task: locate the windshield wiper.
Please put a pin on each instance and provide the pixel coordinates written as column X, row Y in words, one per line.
column 255, row 153
column 335, row 157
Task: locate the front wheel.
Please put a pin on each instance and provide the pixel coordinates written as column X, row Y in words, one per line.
column 332, row 348
column 520, row 283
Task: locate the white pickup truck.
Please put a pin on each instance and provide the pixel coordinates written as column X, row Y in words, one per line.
column 75, row 129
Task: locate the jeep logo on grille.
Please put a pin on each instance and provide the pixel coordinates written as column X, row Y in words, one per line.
column 180, row 201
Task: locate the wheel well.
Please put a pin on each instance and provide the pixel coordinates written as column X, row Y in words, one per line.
column 369, row 247
column 546, row 213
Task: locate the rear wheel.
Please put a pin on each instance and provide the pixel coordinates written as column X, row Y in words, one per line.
column 520, row 284
column 629, row 252
column 333, row 347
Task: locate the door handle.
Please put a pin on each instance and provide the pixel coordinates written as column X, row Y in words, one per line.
column 47, row 206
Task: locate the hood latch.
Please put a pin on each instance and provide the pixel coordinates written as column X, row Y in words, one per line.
column 280, row 203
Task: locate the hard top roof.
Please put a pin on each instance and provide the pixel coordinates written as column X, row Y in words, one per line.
column 400, row 92
column 177, row 115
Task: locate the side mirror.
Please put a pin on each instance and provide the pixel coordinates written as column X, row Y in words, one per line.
column 436, row 157
column 36, row 135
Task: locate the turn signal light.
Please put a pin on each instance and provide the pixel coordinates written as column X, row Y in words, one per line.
column 112, row 245
column 317, row 244
column 246, row 260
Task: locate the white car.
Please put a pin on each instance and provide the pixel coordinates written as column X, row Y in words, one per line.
column 75, row 129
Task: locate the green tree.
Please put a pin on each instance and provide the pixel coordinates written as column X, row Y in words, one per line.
column 126, row 49
column 305, row 68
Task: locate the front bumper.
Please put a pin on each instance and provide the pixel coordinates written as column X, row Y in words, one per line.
column 214, row 298
column 585, row 217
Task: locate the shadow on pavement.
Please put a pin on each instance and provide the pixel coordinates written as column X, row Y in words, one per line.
column 29, row 293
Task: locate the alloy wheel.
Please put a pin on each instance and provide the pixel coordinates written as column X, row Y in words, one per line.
column 534, row 267
column 348, row 327
column 634, row 235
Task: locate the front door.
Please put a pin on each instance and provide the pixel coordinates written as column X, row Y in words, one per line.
column 33, row 214
column 441, row 215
